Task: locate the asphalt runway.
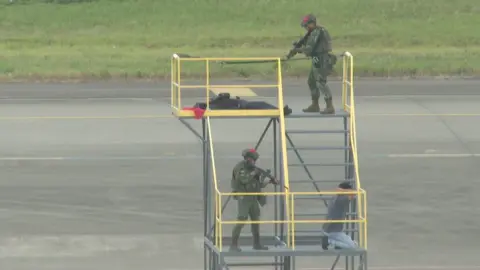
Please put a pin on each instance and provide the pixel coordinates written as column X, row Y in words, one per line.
column 99, row 176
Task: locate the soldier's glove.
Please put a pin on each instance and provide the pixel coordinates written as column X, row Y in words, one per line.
column 268, row 173
column 274, row 181
column 293, row 52
column 296, row 50
column 290, row 54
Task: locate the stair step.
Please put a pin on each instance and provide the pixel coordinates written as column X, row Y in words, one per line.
column 319, row 214
column 319, row 164
column 320, row 148
column 254, row 264
column 313, row 197
column 338, row 114
column 306, row 131
column 320, row 232
column 322, row 181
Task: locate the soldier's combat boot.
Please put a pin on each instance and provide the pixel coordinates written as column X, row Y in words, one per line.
column 325, row 242
column 314, row 107
column 235, row 237
column 256, row 238
column 234, row 245
column 329, row 109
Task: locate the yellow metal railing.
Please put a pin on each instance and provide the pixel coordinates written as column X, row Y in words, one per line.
column 347, row 81
column 348, row 100
column 177, row 85
column 290, row 221
column 218, row 194
column 176, row 104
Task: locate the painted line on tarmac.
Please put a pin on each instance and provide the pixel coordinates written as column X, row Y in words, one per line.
column 120, row 158
column 165, row 116
column 159, row 116
column 422, row 114
column 73, row 99
column 238, row 91
column 81, row 246
column 460, row 155
column 412, row 267
column 425, row 267
column 174, row 156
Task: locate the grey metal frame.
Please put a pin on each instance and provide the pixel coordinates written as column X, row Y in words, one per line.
column 306, row 245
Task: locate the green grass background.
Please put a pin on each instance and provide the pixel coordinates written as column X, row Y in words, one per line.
column 135, row 38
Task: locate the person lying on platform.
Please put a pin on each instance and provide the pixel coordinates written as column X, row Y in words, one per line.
column 337, row 210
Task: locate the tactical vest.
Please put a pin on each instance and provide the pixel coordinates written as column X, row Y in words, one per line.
column 324, row 41
column 253, row 184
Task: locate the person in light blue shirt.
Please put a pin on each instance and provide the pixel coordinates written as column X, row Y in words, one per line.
column 337, row 210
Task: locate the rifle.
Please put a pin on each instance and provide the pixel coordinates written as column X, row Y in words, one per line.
column 298, row 44
column 268, row 174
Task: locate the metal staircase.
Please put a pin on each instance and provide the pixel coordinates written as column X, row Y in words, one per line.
column 309, row 173
column 314, row 207
column 315, row 179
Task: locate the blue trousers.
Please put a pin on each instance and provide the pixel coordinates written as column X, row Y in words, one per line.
column 341, row 240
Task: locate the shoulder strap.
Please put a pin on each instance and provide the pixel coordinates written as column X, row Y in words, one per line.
column 317, row 42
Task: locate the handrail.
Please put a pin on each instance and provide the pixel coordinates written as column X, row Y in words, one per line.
column 362, row 220
column 218, row 194
column 208, row 87
column 349, row 106
column 176, row 105
column 283, row 144
column 348, row 94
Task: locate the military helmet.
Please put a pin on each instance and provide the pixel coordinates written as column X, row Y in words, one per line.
column 250, row 153
column 308, row 19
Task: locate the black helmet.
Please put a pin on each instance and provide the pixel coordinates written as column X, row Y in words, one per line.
column 345, row 185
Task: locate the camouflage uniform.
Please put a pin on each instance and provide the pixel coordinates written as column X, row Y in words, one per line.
column 246, row 178
column 322, row 65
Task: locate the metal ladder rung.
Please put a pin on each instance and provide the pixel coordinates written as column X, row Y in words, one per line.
column 320, row 232
column 253, row 264
column 320, row 148
column 319, row 214
column 321, row 164
column 322, row 181
column 313, row 197
column 304, row 131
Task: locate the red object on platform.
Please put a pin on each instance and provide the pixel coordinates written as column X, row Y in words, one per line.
column 198, row 112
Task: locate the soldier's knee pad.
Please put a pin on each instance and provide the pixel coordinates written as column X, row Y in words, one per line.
column 322, row 82
column 242, row 218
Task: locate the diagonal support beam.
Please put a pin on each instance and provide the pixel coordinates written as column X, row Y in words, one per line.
column 264, row 133
column 310, row 176
column 335, row 262
column 185, row 123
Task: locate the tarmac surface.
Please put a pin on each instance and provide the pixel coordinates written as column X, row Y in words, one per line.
column 99, row 176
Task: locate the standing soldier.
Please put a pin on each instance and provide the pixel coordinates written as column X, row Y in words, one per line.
column 247, row 178
column 319, row 47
